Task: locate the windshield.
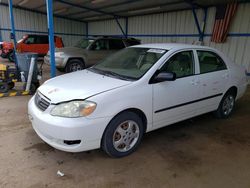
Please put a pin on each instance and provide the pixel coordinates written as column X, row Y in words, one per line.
column 129, row 63
column 83, row 43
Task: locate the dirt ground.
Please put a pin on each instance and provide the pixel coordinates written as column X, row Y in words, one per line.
column 201, row 152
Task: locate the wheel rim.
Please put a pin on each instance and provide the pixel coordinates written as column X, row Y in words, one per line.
column 75, row 67
column 126, row 136
column 228, row 105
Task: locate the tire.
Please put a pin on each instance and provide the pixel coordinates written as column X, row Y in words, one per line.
column 11, row 57
column 226, row 106
column 4, row 87
column 74, row 65
column 127, row 139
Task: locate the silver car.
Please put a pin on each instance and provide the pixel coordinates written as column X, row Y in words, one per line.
column 86, row 53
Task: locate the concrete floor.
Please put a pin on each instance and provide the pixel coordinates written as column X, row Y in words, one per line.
column 201, row 152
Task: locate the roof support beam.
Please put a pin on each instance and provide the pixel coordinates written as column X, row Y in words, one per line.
column 40, row 12
column 87, row 30
column 126, row 27
column 119, row 25
column 201, row 29
column 108, row 6
column 87, row 8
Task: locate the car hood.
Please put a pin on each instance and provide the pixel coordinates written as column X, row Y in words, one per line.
column 79, row 85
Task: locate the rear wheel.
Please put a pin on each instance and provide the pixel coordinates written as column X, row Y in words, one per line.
column 74, row 65
column 226, row 106
column 123, row 135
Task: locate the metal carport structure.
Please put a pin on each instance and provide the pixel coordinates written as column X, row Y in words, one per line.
column 87, row 11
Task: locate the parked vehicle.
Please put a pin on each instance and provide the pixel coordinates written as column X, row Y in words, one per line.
column 30, row 43
column 80, row 56
column 136, row 90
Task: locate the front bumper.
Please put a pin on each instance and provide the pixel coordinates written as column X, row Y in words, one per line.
column 55, row 130
column 60, row 62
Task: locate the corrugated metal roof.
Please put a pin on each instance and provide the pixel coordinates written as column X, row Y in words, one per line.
column 92, row 10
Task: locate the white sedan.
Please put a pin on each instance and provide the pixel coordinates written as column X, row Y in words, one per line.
column 136, row 90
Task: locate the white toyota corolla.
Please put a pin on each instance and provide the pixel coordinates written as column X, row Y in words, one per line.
column 136, row 90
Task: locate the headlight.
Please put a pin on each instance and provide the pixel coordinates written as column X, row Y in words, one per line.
column 59, row 54
column 74, row 109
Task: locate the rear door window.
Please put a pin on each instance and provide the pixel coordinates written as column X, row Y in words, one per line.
column 101, row 44
column 210, row 62
column 42, row 40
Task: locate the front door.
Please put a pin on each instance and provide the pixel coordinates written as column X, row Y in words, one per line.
column 176, row 100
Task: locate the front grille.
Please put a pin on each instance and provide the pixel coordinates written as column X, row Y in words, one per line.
column 41, row 101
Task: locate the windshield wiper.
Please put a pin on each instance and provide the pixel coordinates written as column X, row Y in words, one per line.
column 116, row 75
column 110, row 73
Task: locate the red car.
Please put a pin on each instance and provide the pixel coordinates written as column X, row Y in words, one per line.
column 30, row 43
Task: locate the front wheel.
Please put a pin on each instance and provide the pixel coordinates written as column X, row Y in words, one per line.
column 226, row 106
column 74, row 65
column 123, row 135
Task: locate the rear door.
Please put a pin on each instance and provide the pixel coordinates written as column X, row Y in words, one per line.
column 42, row 44
column 214, row 78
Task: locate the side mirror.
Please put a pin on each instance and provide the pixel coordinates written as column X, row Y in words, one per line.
column 163, row 76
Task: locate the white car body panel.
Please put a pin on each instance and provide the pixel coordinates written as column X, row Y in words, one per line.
column 112, row 96
column 76, row 87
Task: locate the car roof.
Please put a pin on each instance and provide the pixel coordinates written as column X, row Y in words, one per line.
column 170, row 46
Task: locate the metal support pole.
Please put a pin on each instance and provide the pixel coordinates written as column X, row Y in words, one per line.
column 126, row 27
column 197, row 23
column 204, row 24
column 87, row 30
column 1, row 39
column 119, row 25
column 13, row 31
column 49, row 4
